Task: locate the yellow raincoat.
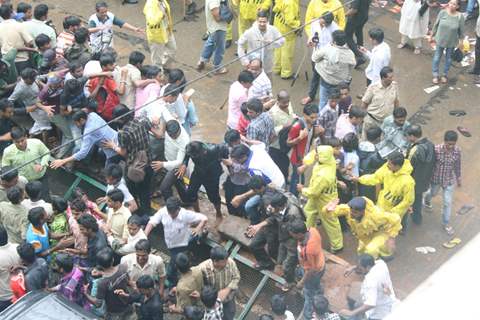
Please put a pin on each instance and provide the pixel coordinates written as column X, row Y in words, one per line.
column 316, row 8
column 287, row 18
column 375, row 228
column 247, row 12
column 157, row 28
column 398, row 188
column 321, row 190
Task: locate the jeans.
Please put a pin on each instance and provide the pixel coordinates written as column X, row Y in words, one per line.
column 310, row 290
column 470, row 6
column 325, row 90
column 447, row 199
column 252, row 209
column 215, row 45
column 436, row 60
column 295, row 179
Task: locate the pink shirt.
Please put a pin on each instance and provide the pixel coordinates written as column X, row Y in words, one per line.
column 344, row 126
column 142, row 94
column 237, row 95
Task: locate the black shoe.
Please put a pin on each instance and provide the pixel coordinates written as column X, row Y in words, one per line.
column 228, row 44
column 191, row 9
column 130, row 2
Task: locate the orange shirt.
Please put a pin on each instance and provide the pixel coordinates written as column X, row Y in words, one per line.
column 311, row 253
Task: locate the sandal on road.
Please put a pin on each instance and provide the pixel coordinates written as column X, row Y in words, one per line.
column 452, row 243
column 464, row 131
column 457, row 113
column 466, row 208
column 448, row 230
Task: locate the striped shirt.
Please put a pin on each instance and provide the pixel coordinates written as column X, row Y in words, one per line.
column 228, row 277
column 261, row 129
column 64, row 40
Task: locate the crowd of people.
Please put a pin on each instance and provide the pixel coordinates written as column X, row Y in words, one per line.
column 333, row 167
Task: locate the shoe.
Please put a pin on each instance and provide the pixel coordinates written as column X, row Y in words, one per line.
column 401, row 45
column 191, row 9
column 443, row 79
column 228, row 44
column 130, row 2
column 200, row 65
column 427, row 205
column 435, row 80
column 220, row 71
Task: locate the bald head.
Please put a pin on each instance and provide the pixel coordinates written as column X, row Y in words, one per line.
column 283, row 99
column 255, row 67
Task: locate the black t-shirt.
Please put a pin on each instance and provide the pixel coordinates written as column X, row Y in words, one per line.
column 106, row 287
column 95, row 245
column 36, row 275
column 151, row 309
column 362, row 7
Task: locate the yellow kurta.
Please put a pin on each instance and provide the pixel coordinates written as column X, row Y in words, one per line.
column 287, row 18
column 398, row 188
column 375, row 228
column 321, row 190
column 316, row 8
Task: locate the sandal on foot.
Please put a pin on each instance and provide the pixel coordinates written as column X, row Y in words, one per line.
column 401, row 45
column 444, row 80
column 417, row 51
column 452, row 243
column 464, row 131
column 435, row 80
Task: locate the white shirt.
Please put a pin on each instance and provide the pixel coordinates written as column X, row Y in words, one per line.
column 373, row 291
column 129, row 247
column 324, row 33
column 289, row 315
column 175, row 149
column 344, row 126
column 29, row 204
column 260, row 163
column 379, row 57
column 261, row 87
column 176, row 231
column 122, row 186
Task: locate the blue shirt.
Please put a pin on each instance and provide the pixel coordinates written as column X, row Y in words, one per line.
column 94, row 136
column 38, row 238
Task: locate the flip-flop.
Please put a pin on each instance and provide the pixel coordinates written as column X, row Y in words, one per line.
column 466, row 208
column 457, row 113
column 464, row 131
column 452, row 243
column 425, row 250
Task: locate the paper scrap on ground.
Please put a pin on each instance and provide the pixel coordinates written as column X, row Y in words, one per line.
column 431, row 89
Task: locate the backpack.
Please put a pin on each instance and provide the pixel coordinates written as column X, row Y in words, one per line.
column 283, row 136
column 226, row 13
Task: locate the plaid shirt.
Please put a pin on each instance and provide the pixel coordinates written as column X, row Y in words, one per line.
column 328, row 316
column 216, row 313
column 328, row 120
column 134, row 137
column 228, row 277
column 447, row 165
column 261, row 129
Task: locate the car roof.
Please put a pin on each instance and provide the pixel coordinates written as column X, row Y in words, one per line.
column 41, row 305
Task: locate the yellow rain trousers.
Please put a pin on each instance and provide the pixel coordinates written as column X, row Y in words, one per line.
column 287, row 18
column 398, row 188
column 375, row 228
column 316, row 8
column 321, row 190
column 247, row 12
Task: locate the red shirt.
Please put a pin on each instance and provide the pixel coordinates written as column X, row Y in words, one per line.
column 298, row 150
column 242, row 125
column 107, row 98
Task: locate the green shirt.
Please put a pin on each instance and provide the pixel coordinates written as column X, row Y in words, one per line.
column 58, row 225
column 448, row 29
column 14, row 157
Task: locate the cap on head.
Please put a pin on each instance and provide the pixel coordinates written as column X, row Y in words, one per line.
column 358, row 203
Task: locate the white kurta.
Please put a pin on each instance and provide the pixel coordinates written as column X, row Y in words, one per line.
column 411, row 24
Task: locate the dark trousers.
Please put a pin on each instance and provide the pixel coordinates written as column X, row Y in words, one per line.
column 354, row 28
column 281, row 160
column 263, row 238
column 417, row 207
column 369, row 82
column 476, row 68
column 142, row 191
column 314, row 83
column 229, row 310
column 209, row 181
column 168, row 182
column 45, row 188
column 4, row 304
column 288, row 257
column 231, row 190
column 172, row 273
